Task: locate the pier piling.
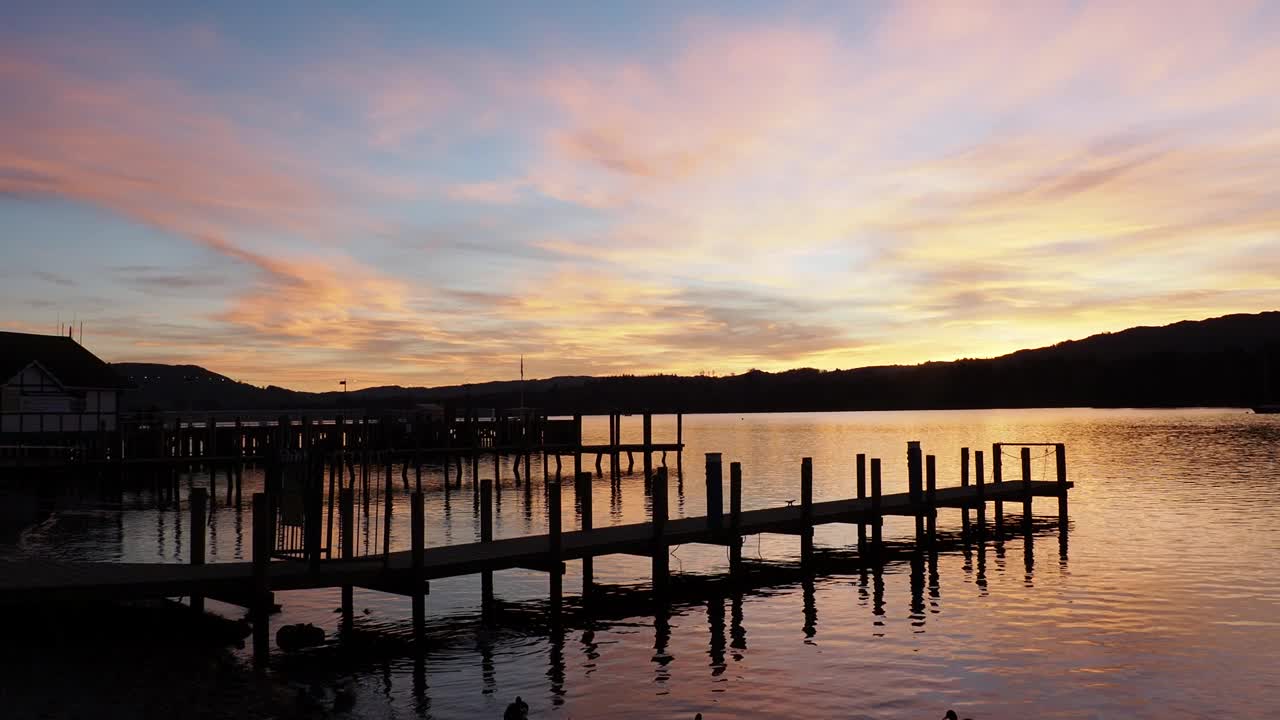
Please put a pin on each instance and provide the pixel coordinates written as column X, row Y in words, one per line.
column 661, row 561
column 806, row 510
column 715, row 492
column 199, row 500
column 735, row 518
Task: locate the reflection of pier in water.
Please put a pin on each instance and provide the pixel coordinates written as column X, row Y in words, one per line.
column 684, row 595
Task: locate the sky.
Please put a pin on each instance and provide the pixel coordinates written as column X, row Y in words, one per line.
column 421, row 193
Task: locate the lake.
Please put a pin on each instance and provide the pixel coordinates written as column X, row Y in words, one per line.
column 1162, row 603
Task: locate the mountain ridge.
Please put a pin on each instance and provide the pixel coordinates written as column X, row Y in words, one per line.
column 1222, row 361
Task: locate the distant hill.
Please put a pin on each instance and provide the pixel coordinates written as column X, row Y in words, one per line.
column 1224, row 361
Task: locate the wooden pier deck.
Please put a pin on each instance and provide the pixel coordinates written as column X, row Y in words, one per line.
column 40, row 581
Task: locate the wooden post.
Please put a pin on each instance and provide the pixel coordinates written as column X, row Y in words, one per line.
column 862, row 494
column 261, row 600
column 1060, row 455
column 486, row 535
column 680, row 451
column 347, row 518
column 199, row 502
column 583, row 491
column 915, row 484
column 997, row 478
column 930, row 494
column 554, row 547
column 577, row 445
column 981, row 492
column 648, row 440
column 877, row 518
column 418, row 532
column 388, row 487
column 1026, row 489
column 735, row 517
column 715, row 492
column 964, row 482
column 661, row 560
column 806, row 510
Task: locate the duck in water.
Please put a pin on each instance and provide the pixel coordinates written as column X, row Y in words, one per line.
column 951, row 715
column 517, row 710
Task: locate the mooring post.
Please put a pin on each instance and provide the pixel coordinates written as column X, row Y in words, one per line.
column 418, row 530
column 386, row 508
column 554, row 547
column 997, row 478
column 915, row 484
column 878, row 518
column 583, row 491
column 577, row 445
column 347, row 518
column 486, row 535
column 661, row 560
column 199, row 503
column 715, row 492
column 806, row 510
column 261, row 584
column 861, row 489
column 735, row 517
column 1026, row 489
column 930, row 493
column 680, row 444
column 648, row 440
column 964, row 483
column 1060, row 454
column 981, row 492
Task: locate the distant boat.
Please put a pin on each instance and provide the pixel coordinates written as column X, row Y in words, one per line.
column 1267, row 410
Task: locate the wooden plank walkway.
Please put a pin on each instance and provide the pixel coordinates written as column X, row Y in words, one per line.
column 28, row 581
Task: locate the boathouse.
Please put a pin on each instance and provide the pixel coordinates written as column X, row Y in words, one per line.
column 52, row 384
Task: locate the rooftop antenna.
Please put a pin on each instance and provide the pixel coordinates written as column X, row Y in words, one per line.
column 82, row 332
column 59, row 322
column 521, row 381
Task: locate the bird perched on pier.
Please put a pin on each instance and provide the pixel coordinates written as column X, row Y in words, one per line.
column 517, row 710
column 951, row 715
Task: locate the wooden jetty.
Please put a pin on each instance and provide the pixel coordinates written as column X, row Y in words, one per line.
column 304, row 558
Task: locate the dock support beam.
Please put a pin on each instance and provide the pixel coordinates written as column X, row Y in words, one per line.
column 915, row 484
column 661, row 560
column 583, row 492
column 930, row 494
column 1026, row 489
column 419, row 534
column 486, row 535
column 346, row 521
column 199, row 501
column 878, row 519
column 997, row 478
column 261, row 609
column 715, row 492
column 806, row 511
column 1060, row 455
column 964, row 482
column 862, row 494
column 735, row 518
column 554, row 547
column 981, row 492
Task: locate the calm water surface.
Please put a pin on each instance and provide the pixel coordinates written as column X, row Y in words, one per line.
column 1164, row 604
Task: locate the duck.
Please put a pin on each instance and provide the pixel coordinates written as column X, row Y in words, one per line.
column 951, row 715
column 297, row 637
column 517, row 710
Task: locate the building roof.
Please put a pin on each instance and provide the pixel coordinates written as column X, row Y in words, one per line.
column 68, row 361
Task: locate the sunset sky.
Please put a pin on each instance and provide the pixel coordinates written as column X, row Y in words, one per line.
column 419, row 193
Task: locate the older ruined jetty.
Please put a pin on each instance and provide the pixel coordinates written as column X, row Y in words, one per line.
column 311, row 491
